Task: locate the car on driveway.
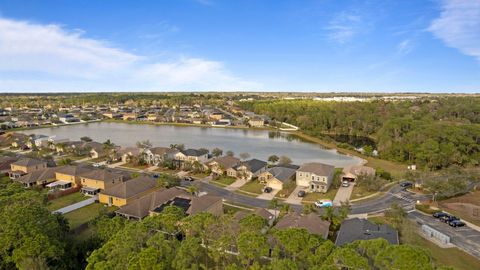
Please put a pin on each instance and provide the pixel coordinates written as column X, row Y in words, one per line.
column 456, row 223
column 267, row 189
column 439, row 214
column 188, row 178
column 345, row 183
column 323, row 203
column 301, row 193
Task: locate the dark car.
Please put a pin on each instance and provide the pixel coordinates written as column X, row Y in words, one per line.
column 439, row 214
column 301, row 193
column 188, row 178
column 448, row 218
column 156, row 175
column 267, row 189
column 456, row 223
column 406, row 184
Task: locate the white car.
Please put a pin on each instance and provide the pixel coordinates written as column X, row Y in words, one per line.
column 345, row 184
column 97, row 165
column 323, row 203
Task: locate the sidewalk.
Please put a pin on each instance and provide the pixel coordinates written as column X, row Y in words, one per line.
column 76, row 206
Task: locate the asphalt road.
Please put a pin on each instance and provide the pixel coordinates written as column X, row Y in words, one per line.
column 465, row 238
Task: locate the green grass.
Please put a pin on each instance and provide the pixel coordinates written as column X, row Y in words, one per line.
column 253, row 187
column 166, row 170
column 65, row 201
column 86, row 214
column 199, row 175
column 452, row 257
column 223, row 181
column 360, row 192
column 288, row 188
column 134, row 166
column 315, row 196
column 425, row 209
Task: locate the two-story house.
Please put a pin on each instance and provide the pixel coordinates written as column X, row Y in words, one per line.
column 24, row 166
column 317, row 177
column 220, row 165
column 96, row 180
column 125, row 192
column 248, row 170
column 155, row 155
column 192, row 155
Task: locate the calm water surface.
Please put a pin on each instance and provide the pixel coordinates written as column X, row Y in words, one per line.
column 258, row 143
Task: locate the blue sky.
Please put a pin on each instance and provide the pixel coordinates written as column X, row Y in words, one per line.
column 250, row 45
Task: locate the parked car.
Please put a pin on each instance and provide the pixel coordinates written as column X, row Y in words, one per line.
column 406, row 184
column 345, row 183
column 323, row 203
column 267, row 189
column 448, row 218
column 301, row 193
column 456, row 223
column 188, row 178
column 97, row 165
column 156, row 175
column 439, row 214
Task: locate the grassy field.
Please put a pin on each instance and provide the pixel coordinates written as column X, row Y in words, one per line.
column 253, row 187
column 223, row 181
column 199, row 175
column 86, row 214
column 166, row 170
column 315, row 196
column 359, row 192
column 65, row 201
column 452, row 257
column 134, row 166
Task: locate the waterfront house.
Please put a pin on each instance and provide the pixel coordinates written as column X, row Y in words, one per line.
column 24, row 166
column 125, row 192
column 67, row 177
column 355, row 229
column 155, row 155
column 276, row 177
column 248, row 170
column 351, row 173
column 317, row 177
column 127, row 154
column 154, row 202
column 220, row 165
column 311, row 222
column 256, row 122
column 94, row 181
column 192, row 155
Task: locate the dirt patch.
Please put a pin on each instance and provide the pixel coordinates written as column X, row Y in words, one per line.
column 469, row 210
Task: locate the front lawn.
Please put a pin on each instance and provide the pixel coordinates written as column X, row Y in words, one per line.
column 200, row 175
column 315, row 196
column 166, row 170
column 288, row 188
column 65, row 201
column 86, row 214
column 223, row 181
column 252, row 187
column 135, row 166
column 360, row 192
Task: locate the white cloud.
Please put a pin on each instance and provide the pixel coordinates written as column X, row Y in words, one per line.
column 404, row 47
column 344, row 27
column 45, row 55
column 459, row 26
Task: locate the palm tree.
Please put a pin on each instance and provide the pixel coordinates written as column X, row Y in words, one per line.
column 192, row 190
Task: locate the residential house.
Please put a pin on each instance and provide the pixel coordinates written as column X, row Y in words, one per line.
column 129, row 116
column 256, row 122
column 155, row 155
column 248, row 169
column 53, row 142
column 36, row 141
column 311, row 222
column 261, row 212
column 125, row 192
column 351, row 173
column 220, row 165
column 361, row 229
column 192, row 155
column 67, row 177
column 5, row 163
column 97, row 149
column 24, row 166
column 94, row 181
column 127, row 154
column 154, row 202
column 37, row 178
column 276, row 177
column 317, row 177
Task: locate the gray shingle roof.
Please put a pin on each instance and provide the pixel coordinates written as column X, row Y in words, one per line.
column 40, row 175
column 194, row 152
column 281, row 173
column 253, row 165
column 28, row 162
column 317, row 168
column 362, row 229
column 311, row 222
column 101, row 175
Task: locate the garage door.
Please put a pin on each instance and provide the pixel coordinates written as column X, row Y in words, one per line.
column 275, row 184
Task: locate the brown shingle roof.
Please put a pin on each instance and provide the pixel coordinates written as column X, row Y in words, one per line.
column 317, row 168
column 311, row 222
column 226, row 162
column 72, row 170
column 28, row 162
column 199, row 204
column 101, row 175
column 46, row 174
column 131, row 187
column 163, row 151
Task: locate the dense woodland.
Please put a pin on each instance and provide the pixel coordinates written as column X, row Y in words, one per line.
column 433, row 132
column 33, row 238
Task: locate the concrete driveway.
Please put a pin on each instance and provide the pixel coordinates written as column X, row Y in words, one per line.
column 293, row 198
column 268, row 196
column 343, row 195
column 236, row 185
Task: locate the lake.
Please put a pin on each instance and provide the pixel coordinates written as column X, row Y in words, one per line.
column 258, row 143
